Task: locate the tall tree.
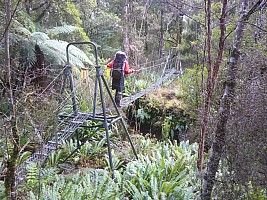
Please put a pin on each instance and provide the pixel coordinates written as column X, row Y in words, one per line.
column 126, row 45
column 212, row 74
column 14, row 136
column 218, row 142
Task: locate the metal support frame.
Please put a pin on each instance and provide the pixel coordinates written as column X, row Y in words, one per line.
column 106, row 120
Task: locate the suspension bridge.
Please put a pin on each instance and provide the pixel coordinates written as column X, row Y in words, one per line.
column 101, row 111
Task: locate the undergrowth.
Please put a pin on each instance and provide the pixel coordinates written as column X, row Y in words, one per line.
column 163, row 171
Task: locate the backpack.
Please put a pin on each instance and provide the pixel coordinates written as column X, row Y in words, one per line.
column 117, row 70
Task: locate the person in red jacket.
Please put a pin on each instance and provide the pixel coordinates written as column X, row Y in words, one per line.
column 119, row 68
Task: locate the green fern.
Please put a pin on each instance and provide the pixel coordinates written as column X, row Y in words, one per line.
column 48, row 175
column 163, row 174
column 23, row 157
column 76, row 56
column 54, row 50
column 66, row 29
column 39, row 37
column 117, row 163
column 21, row 31
column 55, row 157
column 32, row 176
column 167, row 171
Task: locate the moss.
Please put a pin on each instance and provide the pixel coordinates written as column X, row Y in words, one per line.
column 161, row 114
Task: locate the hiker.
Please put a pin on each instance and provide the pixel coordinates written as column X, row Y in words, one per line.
column 119, row 67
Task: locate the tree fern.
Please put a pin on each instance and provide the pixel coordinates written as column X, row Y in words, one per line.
column 23, row 32
column 52, row 56
column 39, row 37
column 55, row 50
column 66, row 29
column 77, row 57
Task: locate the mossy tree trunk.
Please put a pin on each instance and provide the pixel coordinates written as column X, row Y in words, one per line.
column 14, row 137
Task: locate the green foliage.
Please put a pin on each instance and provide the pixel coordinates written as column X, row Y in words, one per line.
column 23, row 157
column 140, row 81
column 35, row 177
column 55, row 158
column 105, row 29
column 70, row 10
column 162, row 115
column 53, row 49
column 117, row 163
column 230, row 187
column 77, row 57
column 91, row 150
column 141, row 84
column 191, row 86
column 163, row 171
column 166, row 127
column 2, row 190
column 32, row 179
column 70, row 145
column 66, row 29
column 4, row 109
column 167, row 172
column 93, row 184
column 142, row 115
column 133, row 85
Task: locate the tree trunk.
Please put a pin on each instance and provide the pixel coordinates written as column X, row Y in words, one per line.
column 161, row 33
column 125, row 29
column 179, row 31
column 212, row 77
column 226, row 101
column 207, row 102
column 11, row 162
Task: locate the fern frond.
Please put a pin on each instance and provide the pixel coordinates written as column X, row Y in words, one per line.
column 76, row 52
column 23, row 157
column 66, row 29
column 52, row 56
column 23, row 32
column 26, row 52
column 39, row 37
column 77, row 57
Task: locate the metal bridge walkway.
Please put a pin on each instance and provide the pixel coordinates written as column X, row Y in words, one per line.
column 126, row 101
column 67, row 128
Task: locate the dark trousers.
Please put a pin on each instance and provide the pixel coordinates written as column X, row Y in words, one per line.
column 118, row 85
column 118, row 96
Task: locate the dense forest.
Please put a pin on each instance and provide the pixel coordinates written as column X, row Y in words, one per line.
column 201, row 135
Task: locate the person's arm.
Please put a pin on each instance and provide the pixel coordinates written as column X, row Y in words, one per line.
column 127, row 69
column 110, row 64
